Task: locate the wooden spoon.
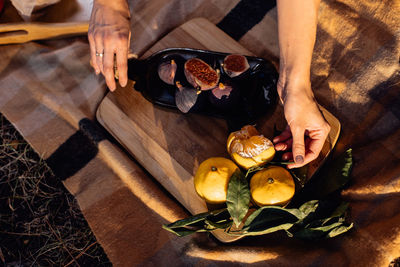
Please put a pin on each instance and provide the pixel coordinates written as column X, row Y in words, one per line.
column 24, row 32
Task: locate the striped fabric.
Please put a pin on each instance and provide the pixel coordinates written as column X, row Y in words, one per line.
column 50, row 94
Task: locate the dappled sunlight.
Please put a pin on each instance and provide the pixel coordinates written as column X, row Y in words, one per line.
column 337, row 83
column 238, row 255
column 373, row 190
column 122, row 166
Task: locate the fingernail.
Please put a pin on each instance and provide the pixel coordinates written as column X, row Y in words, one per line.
column 275, row 140
column 299, row 159
column 97, row 72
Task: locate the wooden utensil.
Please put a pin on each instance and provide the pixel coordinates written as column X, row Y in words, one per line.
column 25, row 32
column 171, row 145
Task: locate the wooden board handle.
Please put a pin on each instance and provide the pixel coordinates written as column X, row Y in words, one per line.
column 25, row 32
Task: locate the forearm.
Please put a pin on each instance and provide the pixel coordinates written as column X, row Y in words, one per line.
column 297, row 23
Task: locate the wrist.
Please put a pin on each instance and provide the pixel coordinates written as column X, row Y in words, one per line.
column 116, row 5
column 294, row 73
column 294, row 84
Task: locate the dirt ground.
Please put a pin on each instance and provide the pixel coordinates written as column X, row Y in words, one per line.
column 40, row 222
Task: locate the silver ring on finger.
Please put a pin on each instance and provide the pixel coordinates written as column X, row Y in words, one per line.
column 99, row 54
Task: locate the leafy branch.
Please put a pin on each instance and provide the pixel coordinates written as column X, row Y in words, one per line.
column 313, row 219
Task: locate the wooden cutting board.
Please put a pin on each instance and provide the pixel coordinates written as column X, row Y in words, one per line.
column 171, row 145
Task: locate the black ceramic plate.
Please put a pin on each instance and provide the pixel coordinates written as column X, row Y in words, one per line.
column 254, row 92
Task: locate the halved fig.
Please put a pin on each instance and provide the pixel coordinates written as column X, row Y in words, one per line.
column 234, row 65
column 200, row 75
column 167, row 71
column 185, row 97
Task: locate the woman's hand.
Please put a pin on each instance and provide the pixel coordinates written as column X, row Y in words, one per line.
column 109, row 35
column 307, row 129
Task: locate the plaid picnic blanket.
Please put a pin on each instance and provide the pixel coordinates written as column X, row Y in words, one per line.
column 49, row 92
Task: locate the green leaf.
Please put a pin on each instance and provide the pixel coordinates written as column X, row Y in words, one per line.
column 328, row 212
column 178, row 231
column 222, row 220
column 182, row 231
column 219, row 225
column 308, row 211
column 278, row 227
column 328, row 225
column 238, row 197
column 336, row 175
column 309, row 207
column 316, row 232
column 338, row 212
column 193, row 219
column 271, row 217
column 221, row 216
column 330, row 179
column 339, row 230
column 203, row 222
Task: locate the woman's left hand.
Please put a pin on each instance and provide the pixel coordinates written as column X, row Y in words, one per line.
column 109, row 35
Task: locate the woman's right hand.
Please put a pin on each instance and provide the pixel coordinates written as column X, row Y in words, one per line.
column 109, row 34
column 307, row 128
